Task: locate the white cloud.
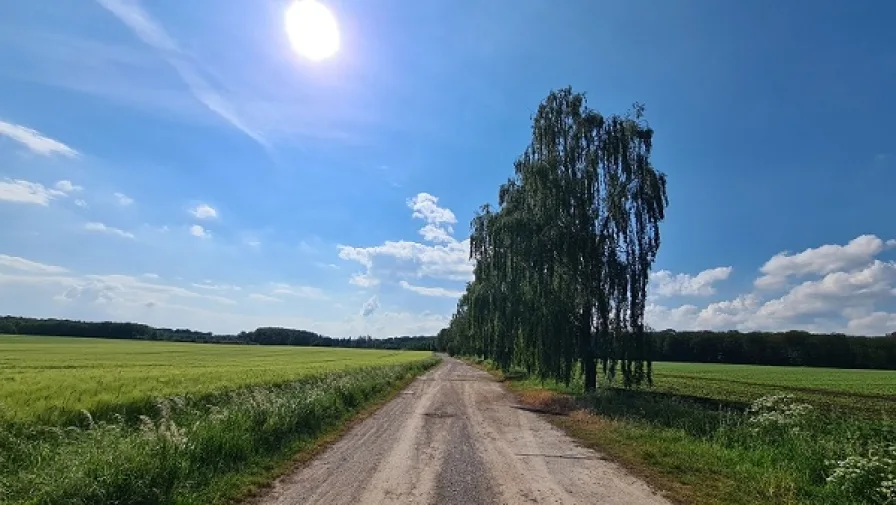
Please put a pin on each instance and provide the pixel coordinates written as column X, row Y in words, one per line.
column 68, row 187
column 664, row 283
column 835, row 291
column 19, row 191
column 204, row 211
column 17, row 263
column 425, row 206
column 198, row 231
column 123, row 199
column 876, row 323
column 35, row 289
column 263, row 298
column 102, row 228
column 154, row 35
column 821, row 260
column 35, row 141
column 891, row 243
column 81, row 203
column 370, row 306
column 253, row 243
column 280, row 288
column 216, row 287
column 445, row 258
column 431, row 291
column 851, row 293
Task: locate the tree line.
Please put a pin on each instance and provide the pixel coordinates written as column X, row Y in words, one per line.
column 262, row 336
column 562, row 263
column 791, row 348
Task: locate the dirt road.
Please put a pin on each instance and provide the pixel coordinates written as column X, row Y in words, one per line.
column 455, row 436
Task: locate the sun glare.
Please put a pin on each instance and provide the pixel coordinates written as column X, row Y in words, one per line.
column 312, row 30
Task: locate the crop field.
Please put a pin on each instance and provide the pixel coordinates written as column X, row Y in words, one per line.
column 122, row 421
column 872, row 391
column 48, row 377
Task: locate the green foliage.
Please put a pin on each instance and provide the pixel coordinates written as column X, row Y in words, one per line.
column 193, row 448
column 798, row 348
column 562, row 264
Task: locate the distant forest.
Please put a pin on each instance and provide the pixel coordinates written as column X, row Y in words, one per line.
column 261, row 336
column 792, row 348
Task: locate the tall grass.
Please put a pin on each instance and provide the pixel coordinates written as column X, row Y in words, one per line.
column 192, row 449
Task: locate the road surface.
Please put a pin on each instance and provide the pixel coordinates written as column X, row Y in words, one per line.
column 455, row 436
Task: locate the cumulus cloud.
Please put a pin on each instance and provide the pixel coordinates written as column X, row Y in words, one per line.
column 198, row 231
column 431, row 291
column 440, row 257
column 204, row 211
column 35, row 141
column 848, row 291
column 426, row 207
column 821, row 260
column 102, row 228
column 20, row 191
column 664, row 283
column 370, row 306
column 123, row 199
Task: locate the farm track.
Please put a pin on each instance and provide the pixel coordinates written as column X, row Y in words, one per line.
column 455, row 436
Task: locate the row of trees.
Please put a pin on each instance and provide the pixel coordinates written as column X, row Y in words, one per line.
column 794, row 348
column 562, row 263
column 261, row 336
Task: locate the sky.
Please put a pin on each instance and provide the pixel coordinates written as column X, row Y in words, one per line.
column 178, row 164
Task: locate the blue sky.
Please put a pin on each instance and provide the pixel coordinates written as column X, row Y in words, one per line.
column 177, row 163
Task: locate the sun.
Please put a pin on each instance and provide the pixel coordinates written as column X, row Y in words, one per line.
column 312, row 30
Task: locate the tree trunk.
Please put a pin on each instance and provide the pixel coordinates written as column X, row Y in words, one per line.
column 590, row 372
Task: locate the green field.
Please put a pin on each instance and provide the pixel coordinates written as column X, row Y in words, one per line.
column 48, row 377
column 88, row 421
column 872, row 391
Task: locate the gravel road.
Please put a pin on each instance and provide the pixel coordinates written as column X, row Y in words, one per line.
column 455, row 436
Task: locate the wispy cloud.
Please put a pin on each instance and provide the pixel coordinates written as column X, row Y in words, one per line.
column 154, row 35
column 18, row 263
column 35, row 141
column 19, row 191
column 431, row 291
column 100, row 227
column 123, row 199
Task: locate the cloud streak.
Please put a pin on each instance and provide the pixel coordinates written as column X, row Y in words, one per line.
column 35, row 141
column 102, row 228
column 154, row 35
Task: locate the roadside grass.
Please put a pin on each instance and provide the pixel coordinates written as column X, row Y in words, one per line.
column 708, row 446
column 192, row 448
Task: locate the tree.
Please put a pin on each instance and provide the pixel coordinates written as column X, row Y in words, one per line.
column 562, row 264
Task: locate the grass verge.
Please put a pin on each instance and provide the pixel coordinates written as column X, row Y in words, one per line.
column 705, row 451
column 194, row 450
